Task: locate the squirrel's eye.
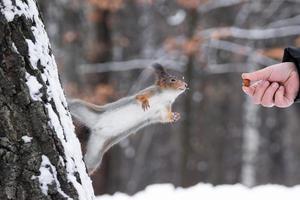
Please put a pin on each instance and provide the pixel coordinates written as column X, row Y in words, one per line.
column 173, row 80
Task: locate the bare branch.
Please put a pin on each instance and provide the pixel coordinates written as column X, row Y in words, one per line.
column 293, row 1
column 129, row 65
column 242, row 14
column 141, row 80
column 211, row 5
column 242, row 50
column 226, row 68
column 250, row 34
column 284, row 22
column 272, row 8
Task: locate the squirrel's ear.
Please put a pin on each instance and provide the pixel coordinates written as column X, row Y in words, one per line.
column 159, row 70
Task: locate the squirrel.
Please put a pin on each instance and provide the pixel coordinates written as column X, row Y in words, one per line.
column 111, row 123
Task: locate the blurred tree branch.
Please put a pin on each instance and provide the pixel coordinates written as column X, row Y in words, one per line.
column 250, row 34
column 224, row 68
column 242, row 50
column 211, row 5
column 286, row 22
column 129, row 65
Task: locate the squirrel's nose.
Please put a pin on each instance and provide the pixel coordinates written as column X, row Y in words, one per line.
column 185, row 84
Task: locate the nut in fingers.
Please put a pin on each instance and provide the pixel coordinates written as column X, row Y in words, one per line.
column 246, row 82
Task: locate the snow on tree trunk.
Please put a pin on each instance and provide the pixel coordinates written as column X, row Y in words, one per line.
column 40, row 153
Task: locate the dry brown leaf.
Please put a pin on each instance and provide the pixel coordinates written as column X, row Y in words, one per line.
column 192, row 46
column 110, row 5
column 145, row 2
column 275, row 53
column 297, row 42
column 221, row 33
column 170, row 44
column 94, row 15
column 70, row 36
column 191, row 4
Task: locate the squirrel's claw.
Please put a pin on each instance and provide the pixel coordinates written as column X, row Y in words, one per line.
column 145, row 105
column 174, row 116
column 143, row 99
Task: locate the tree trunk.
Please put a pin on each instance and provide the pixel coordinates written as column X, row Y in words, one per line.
column 40, row 154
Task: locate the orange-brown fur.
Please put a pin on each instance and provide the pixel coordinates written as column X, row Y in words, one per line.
column 164, row 81
column 144, row 99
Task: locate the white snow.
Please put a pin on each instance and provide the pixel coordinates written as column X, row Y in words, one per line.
column 14, row 47
column 26, row 139
column 48, row 176
column 10, row 11
column 34, row 87
column 209, row 192
column 62, row 124
column 177, row 19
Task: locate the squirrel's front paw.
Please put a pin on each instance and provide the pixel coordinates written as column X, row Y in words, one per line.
column 143, row 99
column 174, row 116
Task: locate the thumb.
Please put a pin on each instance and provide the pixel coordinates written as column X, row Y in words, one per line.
column 262, row 74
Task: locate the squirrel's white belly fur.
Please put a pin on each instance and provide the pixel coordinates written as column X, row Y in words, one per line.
column 127, row 116
column 112, row 123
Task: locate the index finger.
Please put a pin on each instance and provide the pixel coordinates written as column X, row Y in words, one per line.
column 262, row 74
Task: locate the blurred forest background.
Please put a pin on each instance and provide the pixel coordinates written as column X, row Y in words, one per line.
column 103, row 49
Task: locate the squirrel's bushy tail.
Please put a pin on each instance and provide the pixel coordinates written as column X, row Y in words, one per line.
column 83, row 111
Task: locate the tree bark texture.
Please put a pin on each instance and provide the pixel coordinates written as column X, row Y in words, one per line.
column 40, row 156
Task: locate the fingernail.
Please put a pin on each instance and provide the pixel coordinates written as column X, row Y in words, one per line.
column 274, row 85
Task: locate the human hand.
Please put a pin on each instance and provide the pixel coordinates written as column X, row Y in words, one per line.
column 276, row 85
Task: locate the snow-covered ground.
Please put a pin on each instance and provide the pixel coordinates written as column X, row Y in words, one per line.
column 209, row 192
